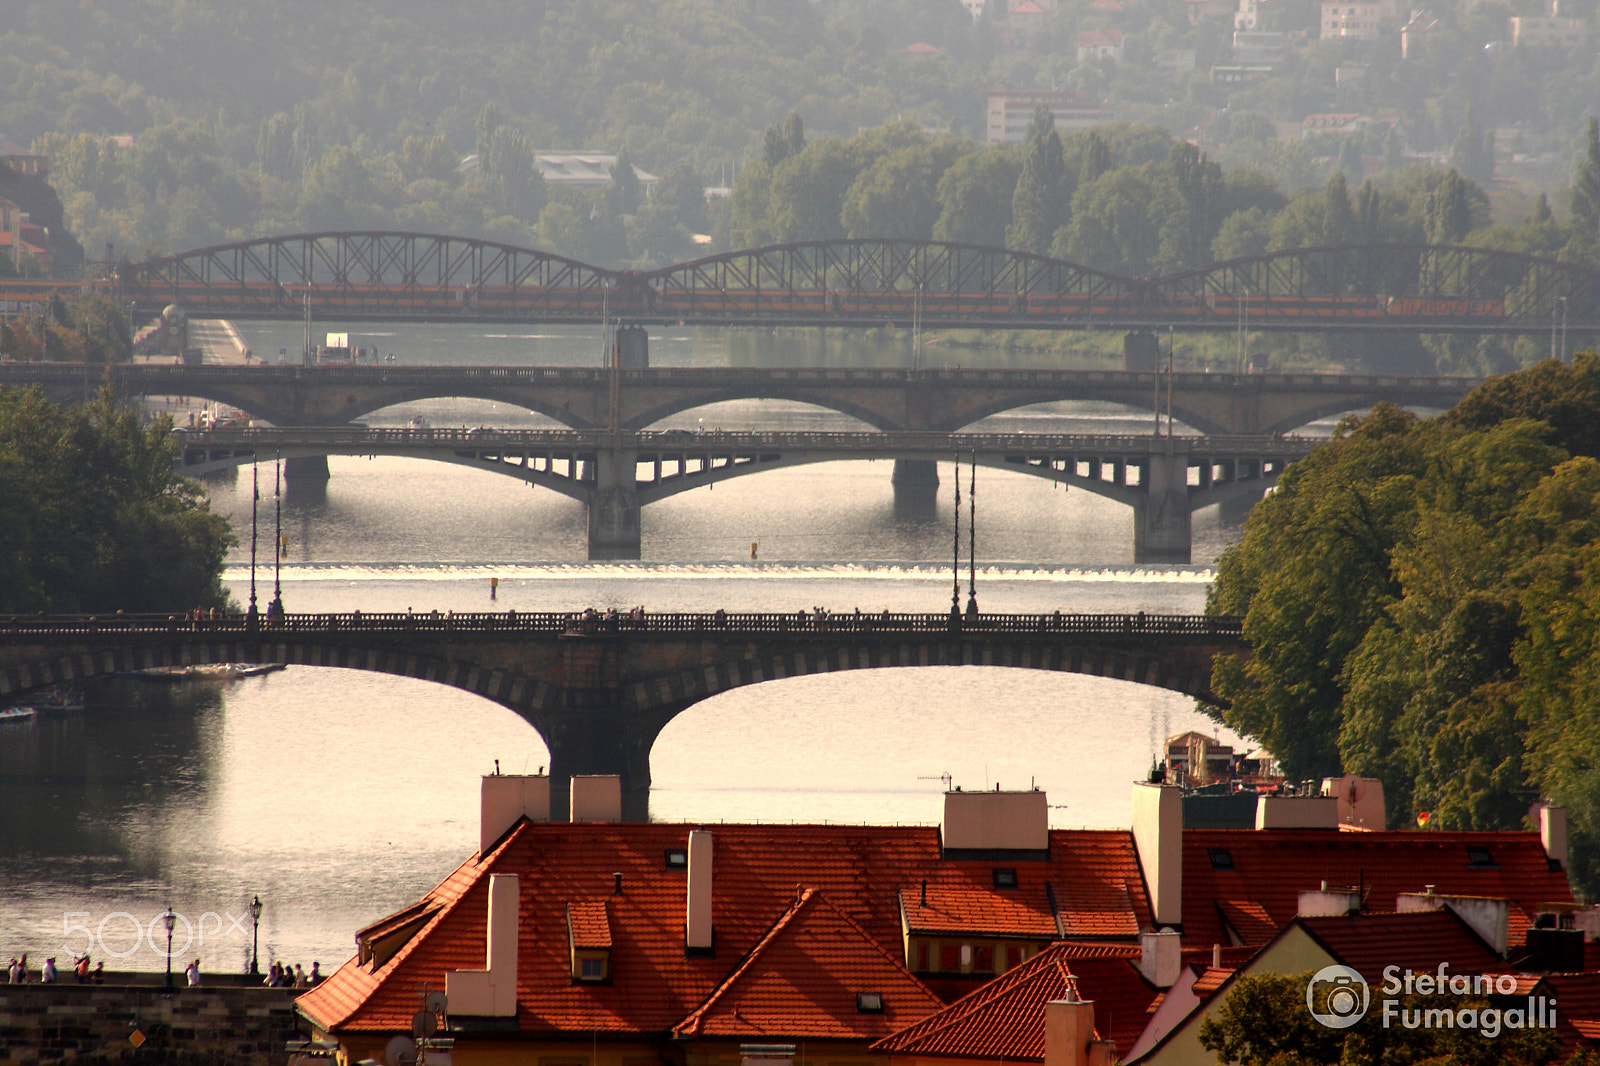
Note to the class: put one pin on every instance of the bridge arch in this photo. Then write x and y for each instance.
(600, 692)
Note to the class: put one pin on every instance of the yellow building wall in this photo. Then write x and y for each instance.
(1294, 952)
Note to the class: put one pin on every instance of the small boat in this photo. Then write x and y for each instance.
(59, 698)
(207, 672)
(17, 714)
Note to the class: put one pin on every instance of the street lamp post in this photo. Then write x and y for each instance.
(255, 936)
(170, 920)
(1562, 300)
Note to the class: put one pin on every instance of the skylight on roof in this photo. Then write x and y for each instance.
(1221, 858)
(869, 1002)
(1005, 877)
(675, 859)
(1478, 857)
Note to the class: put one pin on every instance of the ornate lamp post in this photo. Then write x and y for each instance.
(170, 920)
(255, 936)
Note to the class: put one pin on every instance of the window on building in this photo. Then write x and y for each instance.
(869, 1002)
(1005, 877)
(591, 969)
(950, 958)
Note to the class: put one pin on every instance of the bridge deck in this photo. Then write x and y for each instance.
(30, 629)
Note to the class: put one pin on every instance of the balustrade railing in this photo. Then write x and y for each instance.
(18, 629)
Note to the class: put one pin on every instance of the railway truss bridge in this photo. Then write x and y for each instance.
(615, 475)
(599, 690)
(393, 276)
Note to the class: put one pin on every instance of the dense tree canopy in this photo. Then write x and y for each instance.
(1264, 1022)
(1423, 599)
(92, 517)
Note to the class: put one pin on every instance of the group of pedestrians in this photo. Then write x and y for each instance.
(282, 975)
(17, 971)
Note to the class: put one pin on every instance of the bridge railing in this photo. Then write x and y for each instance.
(73, 628)
(724, 440)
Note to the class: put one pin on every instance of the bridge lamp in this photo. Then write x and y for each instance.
(255, 936)
(170, 920)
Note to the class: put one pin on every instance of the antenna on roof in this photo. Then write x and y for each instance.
(497, 768)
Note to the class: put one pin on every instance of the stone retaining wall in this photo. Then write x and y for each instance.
(63, 1023)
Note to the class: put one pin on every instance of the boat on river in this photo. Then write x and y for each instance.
(17, 714)
(206, 672)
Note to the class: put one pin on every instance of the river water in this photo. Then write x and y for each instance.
(339, 797)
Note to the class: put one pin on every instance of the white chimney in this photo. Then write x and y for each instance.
(1488, 916)
(697, 918)
(1328, 902)
(491, 992)
(596, 798)
(1553, 832)
(504, 800)
(996, 821)
(1160, 956)
(1297, 812)
(1360, 800)
(1158, 838)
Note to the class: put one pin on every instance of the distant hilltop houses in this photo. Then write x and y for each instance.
(32, 235)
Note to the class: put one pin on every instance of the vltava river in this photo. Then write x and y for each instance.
(339, 797)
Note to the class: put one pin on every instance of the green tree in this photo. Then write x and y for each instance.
(625, 194)
(1449, 210)
(975, 196)
(782, 142)
(1586, 184)
(808, 190)
(1311, 576)
(92, 517)
(1039, 206)
(1472, 153)
(898, 195)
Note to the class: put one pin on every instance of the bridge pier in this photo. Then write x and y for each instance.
(916, 485)
(1162, 521)
(594, 729)
(306, 468)
(614, 506)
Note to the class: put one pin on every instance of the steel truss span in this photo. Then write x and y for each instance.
(898, 283)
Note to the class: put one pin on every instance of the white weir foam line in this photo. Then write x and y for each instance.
(715, 571)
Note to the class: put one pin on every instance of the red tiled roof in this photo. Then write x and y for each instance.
(970, 907)
(1004, 1019)
(802, 980)
(1249, 919)
(1094, 875)
(588, 925)
(1577, 997)
(1272, 868)
(1209, 981)
(1417, 941)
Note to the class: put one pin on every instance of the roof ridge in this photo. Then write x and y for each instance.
(691, 1022)
(483, 864)
(974, 1001)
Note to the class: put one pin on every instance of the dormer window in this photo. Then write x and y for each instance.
(589, 941)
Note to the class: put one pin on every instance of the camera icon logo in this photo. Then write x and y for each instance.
(1337, 996)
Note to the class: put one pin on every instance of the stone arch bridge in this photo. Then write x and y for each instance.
(599, 690)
